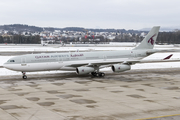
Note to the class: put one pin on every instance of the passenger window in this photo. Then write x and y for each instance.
(12, 61)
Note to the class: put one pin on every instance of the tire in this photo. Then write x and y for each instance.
(93, 73)
(24, 77)
(97, 74)
(102, 74)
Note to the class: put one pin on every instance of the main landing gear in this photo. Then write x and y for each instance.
(24, 75)
(98, 74)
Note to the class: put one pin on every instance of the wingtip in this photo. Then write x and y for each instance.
(168, 57)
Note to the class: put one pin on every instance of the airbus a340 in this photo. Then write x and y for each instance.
(88, 62)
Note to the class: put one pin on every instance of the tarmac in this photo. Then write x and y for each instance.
(151, 94)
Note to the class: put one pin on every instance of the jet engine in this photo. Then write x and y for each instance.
(84, 70)
(120, 67)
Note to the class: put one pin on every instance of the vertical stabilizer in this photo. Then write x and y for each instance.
(150, 39)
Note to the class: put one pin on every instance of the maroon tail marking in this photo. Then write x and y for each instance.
(151, 40)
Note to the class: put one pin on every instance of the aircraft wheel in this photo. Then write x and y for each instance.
(102, 74)
(97, 74)
(93, 73)
(24, 77)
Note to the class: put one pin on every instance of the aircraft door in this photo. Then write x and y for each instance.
(23, 61)
(133, 53)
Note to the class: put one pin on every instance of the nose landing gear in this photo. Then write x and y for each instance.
(24, 75)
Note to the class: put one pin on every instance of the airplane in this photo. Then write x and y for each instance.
(88, 62)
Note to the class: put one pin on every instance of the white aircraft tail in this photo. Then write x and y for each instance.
(150, 39)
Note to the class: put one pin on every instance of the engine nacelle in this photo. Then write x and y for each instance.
(84, 70)
(120, 67)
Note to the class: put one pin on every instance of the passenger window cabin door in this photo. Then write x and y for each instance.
(133, 54)
(23, 61)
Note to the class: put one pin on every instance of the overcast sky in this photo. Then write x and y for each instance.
(118, 14)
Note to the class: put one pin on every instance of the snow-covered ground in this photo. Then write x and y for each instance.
(5, 72)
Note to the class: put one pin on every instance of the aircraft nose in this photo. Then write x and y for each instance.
(4, 65)
(9, 66)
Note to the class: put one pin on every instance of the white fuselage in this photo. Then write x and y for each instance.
(60, 61)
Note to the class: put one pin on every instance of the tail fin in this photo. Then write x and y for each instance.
(150, 39)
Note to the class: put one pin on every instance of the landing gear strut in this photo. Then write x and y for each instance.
(24, 75)
(98, 74)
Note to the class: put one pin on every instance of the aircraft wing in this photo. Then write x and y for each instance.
(98, 63)
(76, 65)
(107, 63)
(166, 59)
(162, 51)
(156, 61)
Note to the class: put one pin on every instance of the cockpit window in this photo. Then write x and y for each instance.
(12, 61)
